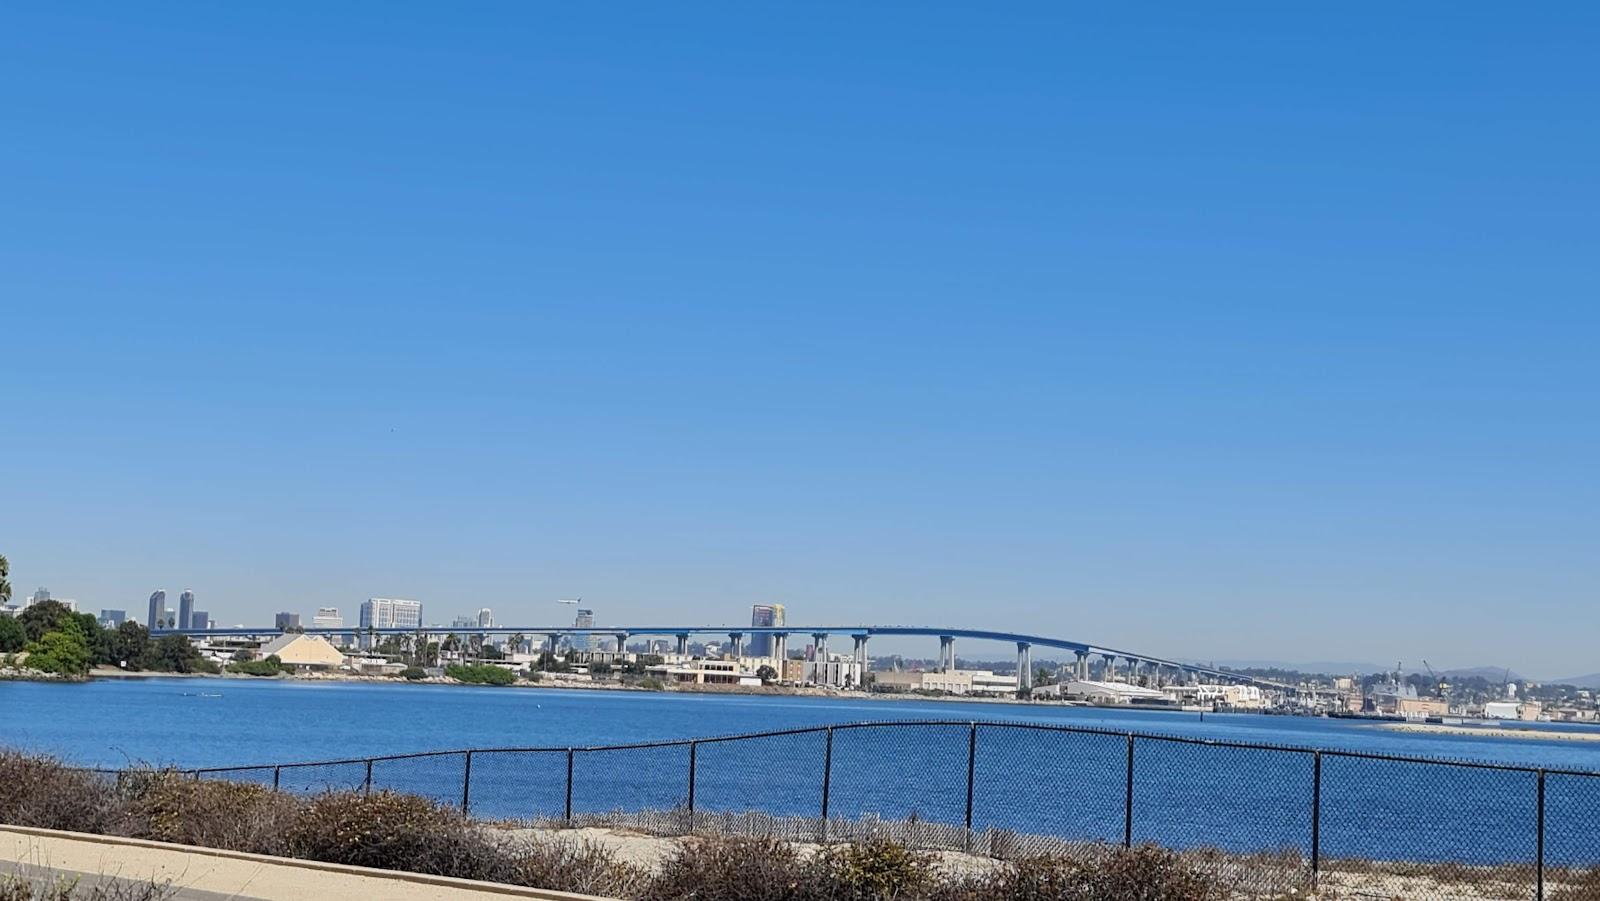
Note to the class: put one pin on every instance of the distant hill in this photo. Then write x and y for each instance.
(1590, 681)
(1492, 673)
(1312, 667)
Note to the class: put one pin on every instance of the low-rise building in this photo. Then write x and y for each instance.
(303, 652)
(959, 682)
(700, 671)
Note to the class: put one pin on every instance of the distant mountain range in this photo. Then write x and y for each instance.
(1492, 673)
(1590, 681)
(1326, 667)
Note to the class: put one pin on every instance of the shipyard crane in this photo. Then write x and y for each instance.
(1440, 684)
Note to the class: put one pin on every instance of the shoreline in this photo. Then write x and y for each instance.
(110, 673)
(1530, 732)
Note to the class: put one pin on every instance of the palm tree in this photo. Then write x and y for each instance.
(516, 643)
(5, 586)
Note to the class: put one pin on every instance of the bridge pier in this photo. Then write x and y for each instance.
(1083, 666)
(947, 653)
(622, 642)
(736, 644)
(683, 644)
(780, 649)
(819, 641)
(860, 655)
(1024, 668)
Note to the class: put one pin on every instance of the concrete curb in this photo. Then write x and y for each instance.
(204, 869)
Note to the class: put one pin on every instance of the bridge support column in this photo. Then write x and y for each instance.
(622, 642)
(819, 641)
(683, 644)
(860, 656)
(736, 644)
(780, 649)
(1083, 666)
(947, 653)
(1111, 667)
(1024, 668)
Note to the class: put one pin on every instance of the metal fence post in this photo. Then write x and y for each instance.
(972, 772)
(1127, 807)
(1316, 816)
(1539, 836)
(466, 784)
(366, 786)
(277, 775)
(568, 808)
(693, 748)
(827, 777)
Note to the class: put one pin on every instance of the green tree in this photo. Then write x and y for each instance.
(12, 636)
(129, 645)
(766, 674)
(5, 579)
(175, 654)
(45, 616)
(63, 651)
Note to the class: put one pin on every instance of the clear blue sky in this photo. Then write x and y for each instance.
(1253, 330)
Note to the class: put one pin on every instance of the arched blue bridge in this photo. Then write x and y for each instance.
(819, 635)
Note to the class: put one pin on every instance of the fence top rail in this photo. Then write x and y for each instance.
(892, 724)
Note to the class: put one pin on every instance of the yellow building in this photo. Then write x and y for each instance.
(302, 652)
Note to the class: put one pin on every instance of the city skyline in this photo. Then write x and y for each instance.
(1246, 336)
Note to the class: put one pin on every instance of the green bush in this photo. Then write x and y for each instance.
(271, 666)
(876, 868)
(63, 651)
(414, 673)
(480, 674)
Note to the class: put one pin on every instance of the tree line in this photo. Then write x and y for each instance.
(60, 641)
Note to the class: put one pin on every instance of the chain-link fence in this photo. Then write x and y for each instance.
(1270, 819)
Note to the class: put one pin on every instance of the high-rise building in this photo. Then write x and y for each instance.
(763, 616)
(158, 611)
(582, 640)
(199, 619)
(286, 622)
(185, 609)
(389, 613)
(41, 595)
(330, 618)
(113, 618)
(485, 618)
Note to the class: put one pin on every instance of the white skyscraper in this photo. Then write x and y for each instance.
(389, 613)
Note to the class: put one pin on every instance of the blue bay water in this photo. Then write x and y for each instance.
(1028, 780)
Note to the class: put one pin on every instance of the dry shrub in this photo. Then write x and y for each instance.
(582, 867)
(235, 816)
(19, 888)
(1578, 886)
(44, 793)
(390, 831)
(731, 869)
(1146, 873)
(877, 868)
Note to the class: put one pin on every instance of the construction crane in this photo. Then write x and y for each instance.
(1440, 684)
